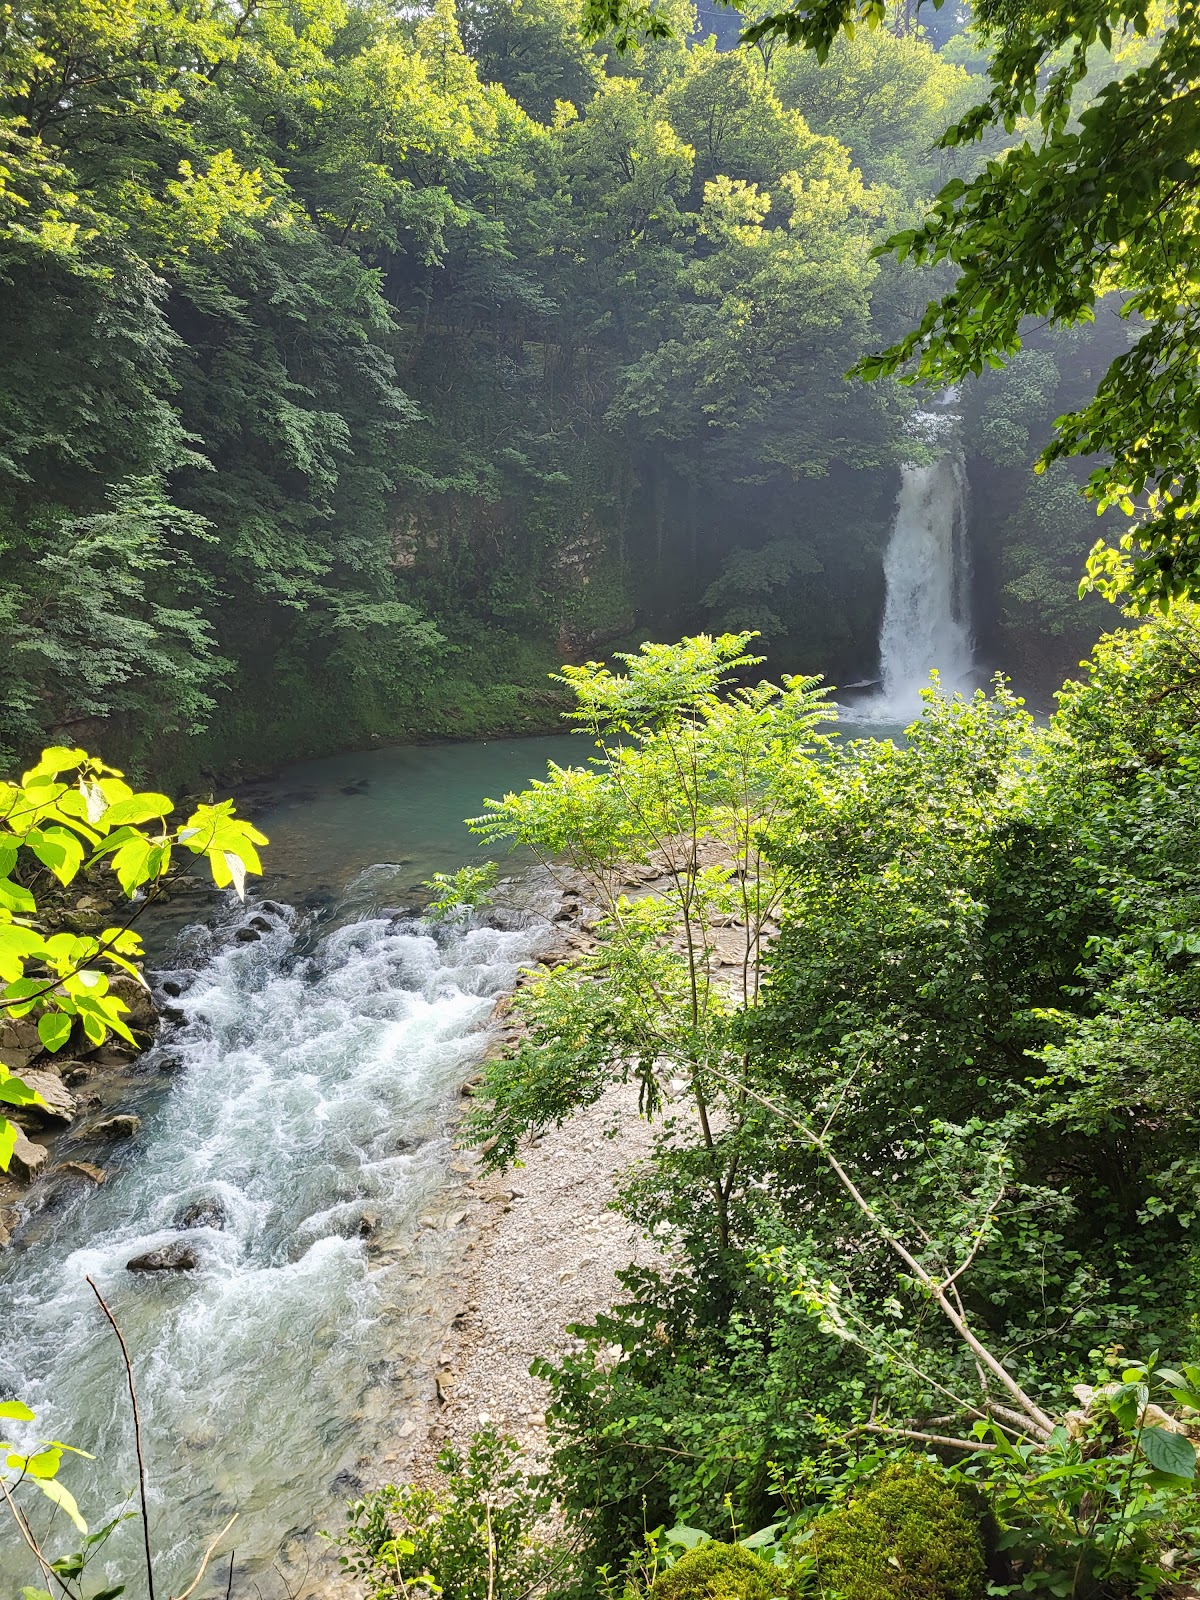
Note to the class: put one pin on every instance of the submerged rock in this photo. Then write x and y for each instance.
(247, 935)
(167, 1258)
(85, 1169)
(123, 1126)
(207, 1212)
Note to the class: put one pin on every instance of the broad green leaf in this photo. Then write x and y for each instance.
(13, 897)
(1169, 1452)
(138, 808)
(15, 1411)
(8, 1143)
(15, 1092)
(58, 849)
(17, 945)
(54, 759)
(44, 1463)
(689, 1538)
(54, 1029)
(53, 1490)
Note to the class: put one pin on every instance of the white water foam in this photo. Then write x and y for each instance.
(308, 1087)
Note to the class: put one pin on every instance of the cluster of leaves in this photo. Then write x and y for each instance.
(473, 1537)
(70, 812)
(453, 893)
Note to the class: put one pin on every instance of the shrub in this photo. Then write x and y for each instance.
(719, 1572)
(910, 1537)
(475, 1538)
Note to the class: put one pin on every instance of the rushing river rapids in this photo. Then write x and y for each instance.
(296, 1123)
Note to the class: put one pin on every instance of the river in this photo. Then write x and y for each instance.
(310, 1080)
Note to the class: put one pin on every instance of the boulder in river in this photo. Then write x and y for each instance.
(122, 1126)
(59, 1103)
(207, 1212)
(85, 1169)
(27, 1158)
(167, 1258)
(247, 935)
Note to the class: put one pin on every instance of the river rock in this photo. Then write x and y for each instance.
(142, 1014)
(74, 1073)
(167, 1258)
(247, 935)
(19, 1044)
(85, 1169)
(207, 1212)
(59, 1104)
(503, 918)
(123, 1126)
(28, 1158)
(9, 1217)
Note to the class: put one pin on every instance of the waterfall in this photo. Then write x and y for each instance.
(926, 619)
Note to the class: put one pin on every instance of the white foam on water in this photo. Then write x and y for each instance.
(311, 1087)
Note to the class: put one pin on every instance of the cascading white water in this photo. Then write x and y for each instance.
(311, 1082)
(927, 569)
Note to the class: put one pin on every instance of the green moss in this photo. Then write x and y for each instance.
(720, 1572)
(910, 1537)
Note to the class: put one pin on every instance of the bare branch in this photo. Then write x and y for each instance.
(208, 1557)
(942, 1439)
(137, 1434)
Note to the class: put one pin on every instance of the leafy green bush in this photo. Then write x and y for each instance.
(1109, 1504)
(910, 1537)
(719, 1572)
(473, 1539)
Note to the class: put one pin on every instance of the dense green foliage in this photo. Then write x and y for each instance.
(71, 812)
(927, 1153)
(1092, 207)
(473, 1537)
(397, 356)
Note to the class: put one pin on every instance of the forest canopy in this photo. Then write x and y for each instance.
(1090, 211)
(358, 366)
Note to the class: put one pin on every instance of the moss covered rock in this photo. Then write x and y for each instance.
(910, 1537)
(720, 1572)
